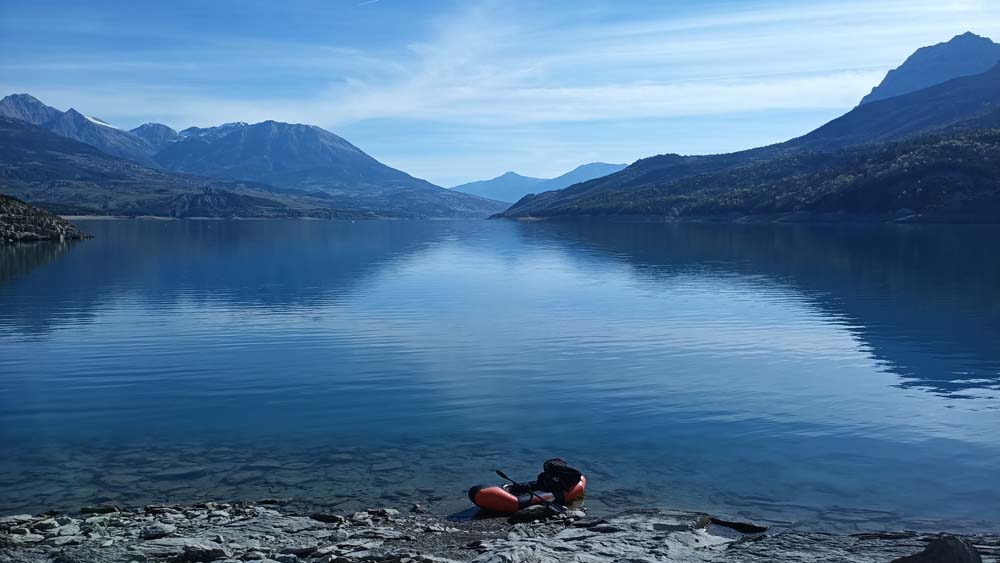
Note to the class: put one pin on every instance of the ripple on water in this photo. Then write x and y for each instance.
(796, 374)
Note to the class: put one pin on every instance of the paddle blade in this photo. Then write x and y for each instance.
(503, 475)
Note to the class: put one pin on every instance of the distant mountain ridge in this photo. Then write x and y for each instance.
(309, 159)
(507, 187)
(156, 134)
(934, 178)
(962, 104)
(306, 161)
(70, 177)
(963, 55)
(510, 186)
(75, 125)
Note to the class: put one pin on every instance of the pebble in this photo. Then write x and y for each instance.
(70, 529)
(64, 540)
(47, 524)
(328, 518)
(157, 530)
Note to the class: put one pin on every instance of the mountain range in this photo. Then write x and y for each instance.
(699, 185)
(304, 163)
(918, 147)
(74, 178)
(511, 186)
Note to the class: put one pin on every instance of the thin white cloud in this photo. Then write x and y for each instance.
(493, 67)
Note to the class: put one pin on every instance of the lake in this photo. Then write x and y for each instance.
(805, 376)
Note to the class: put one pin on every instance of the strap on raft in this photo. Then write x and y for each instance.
(497, 498)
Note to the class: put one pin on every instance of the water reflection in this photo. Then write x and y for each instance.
(924, 299)
(788, 373)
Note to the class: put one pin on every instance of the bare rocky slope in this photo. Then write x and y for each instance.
(269, 532)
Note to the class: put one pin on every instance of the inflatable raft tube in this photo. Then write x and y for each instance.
(498, 498)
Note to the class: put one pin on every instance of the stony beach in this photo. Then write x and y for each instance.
(275, 531)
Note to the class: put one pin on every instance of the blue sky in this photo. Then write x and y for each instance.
(455, 91)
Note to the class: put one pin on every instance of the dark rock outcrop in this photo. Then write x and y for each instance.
(945, 549)
(21, 222)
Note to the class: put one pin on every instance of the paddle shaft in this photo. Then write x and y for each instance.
(547, 503)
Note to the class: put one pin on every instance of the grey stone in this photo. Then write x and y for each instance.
(71, 529)
(64, 540)
(28, 538)
(47, 524)
(193, 549)
(531, 514)
(297, 551)
(328, 518)
(16, 519)
(157, 530)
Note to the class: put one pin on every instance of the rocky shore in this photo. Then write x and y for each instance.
(272, 531)
(22, 222)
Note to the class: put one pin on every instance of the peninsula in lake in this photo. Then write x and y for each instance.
(21, 222)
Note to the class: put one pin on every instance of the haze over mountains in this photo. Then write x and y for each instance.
(511, 186)
(302, 162)
(677, 186)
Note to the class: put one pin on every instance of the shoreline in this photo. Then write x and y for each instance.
(274, 531)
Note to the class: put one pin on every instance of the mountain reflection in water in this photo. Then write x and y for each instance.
(795, 374)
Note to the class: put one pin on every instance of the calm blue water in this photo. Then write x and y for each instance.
(806, 376)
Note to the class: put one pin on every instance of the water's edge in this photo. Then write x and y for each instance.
(271, 530)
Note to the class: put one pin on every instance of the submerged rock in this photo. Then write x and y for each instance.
(945, 549)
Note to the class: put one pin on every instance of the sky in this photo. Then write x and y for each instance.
(455, 91)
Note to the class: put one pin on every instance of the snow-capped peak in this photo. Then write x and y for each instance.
(99, 122)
